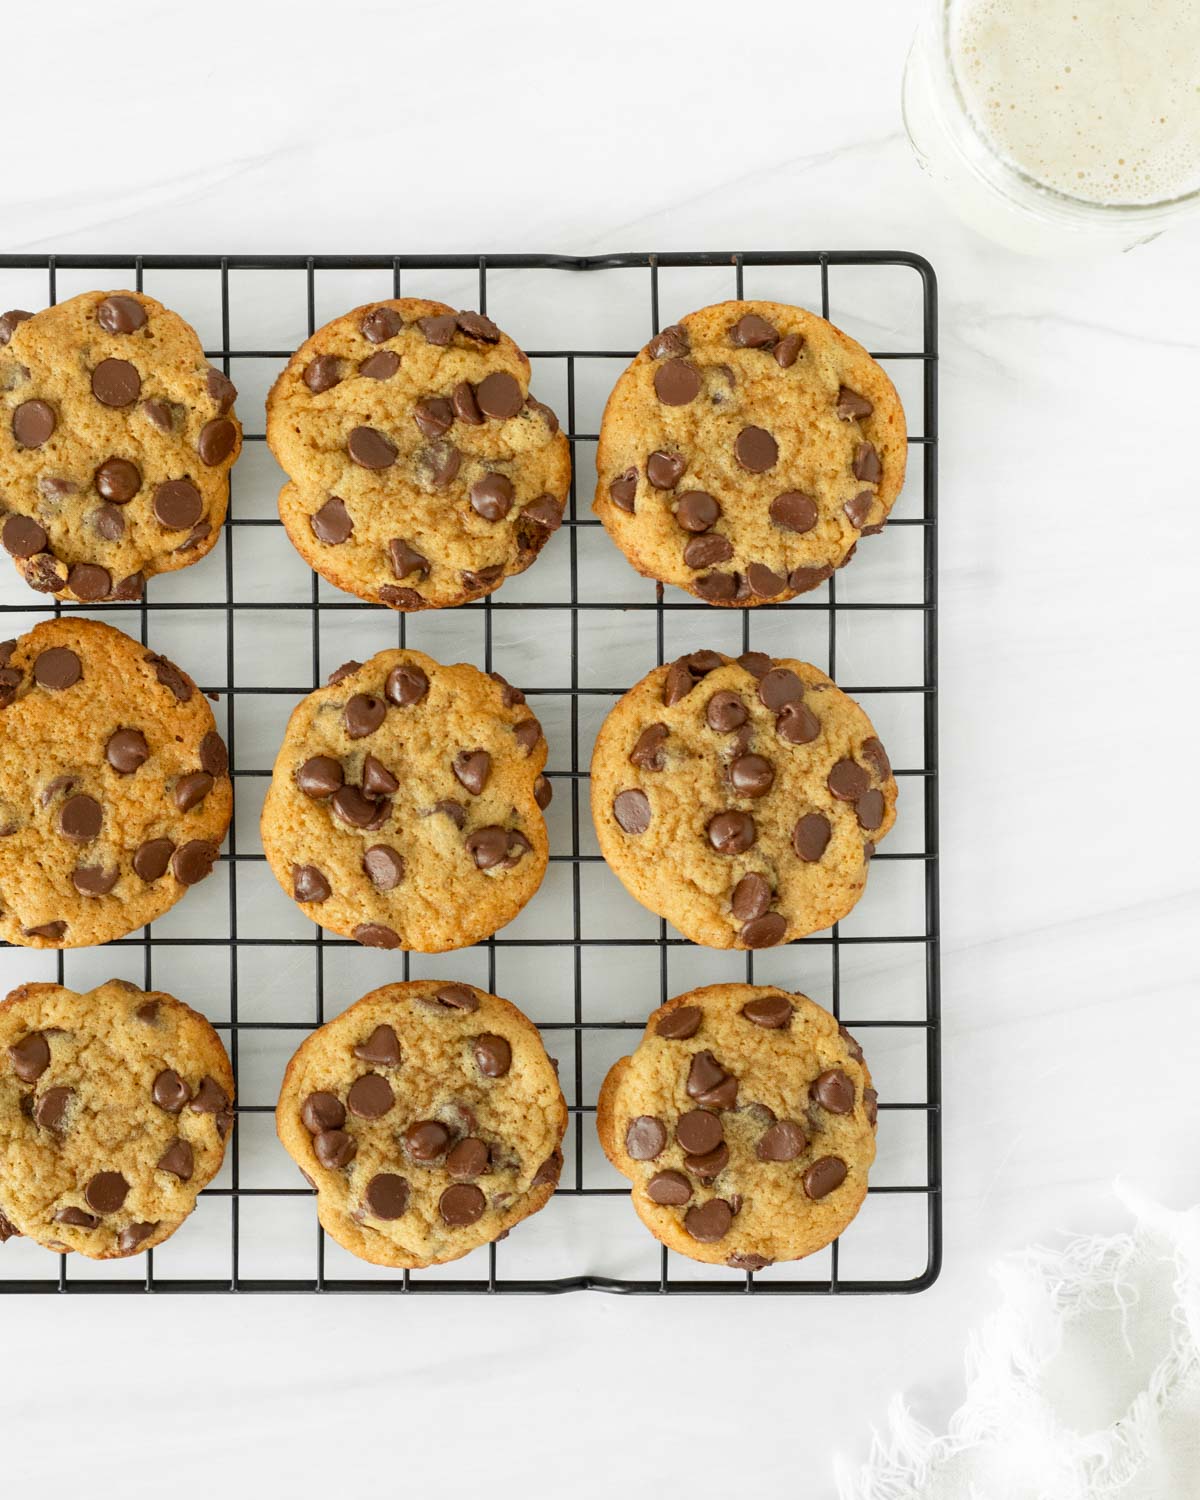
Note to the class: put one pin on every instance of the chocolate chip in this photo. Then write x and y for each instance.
(731, 832)
(669, 343)
(751, 897)
(499, 396)
(470, 1158)
(363, 715)
(699, 1131)
(544, 511)
(866, 464)
(405, 599)
(794, 511)
(33, 422)
(332, 524)
(30, 1057)
(118, 480)
(115, 382)
(679, 1024)
(753, 332)
(783, 1141)
(377, 780)
(129, 588)
(710, 1165)
(380, 324)
(648, 752)
(320, 776)
(334, 1148)
(93, 880)
(105, 1192)
(383, 866)
(193, 861)
(150, 859)
(322, 373)
(833, 1091)
(671, 1189)
(804, 579)
(9, 321)
(488, 847)
(645, 1137)
(159, 414)
(623, 489)
(45, 573)
(851, 406)
(752, 775)
(466, 407)
(79, 818)
(871, 750)
(178, 1159)
(52, 789)
(22, 536)
(406, 685)
(709, 1222)
(177, 504)
(381, 366)
(676, 383)
(426, 1140)
(170, 1092)
(528, 734)
(756, 450)
(477, 325)
(216, 441)
(118, 314)
(719, 587)
(76, 1218)
(709, 1084)
(787, 350)
(824, 1175)
(847, 780)
(871, 1106)
(631, 809)
(53, 932)
(370, 448)
(322, 1111)
(483, 578)
(192, 789)
(352, 807)
(57, 669)
(375, 935)
(221, 389)
(455, 811)
(778, 687)
(859, 508)
(797, 724)
(870, 809)
(492, 497)
(665, 470)
(704, 551)
(370, 1097)
(471, 769)
(746, 1260)
(764, 581)
(89, 581)
(765, 931)
(771, 1012)
(310, 884)
(433, 415)
(493, 1055)
(386, 1196)
(543, 792)
(461, 1205)
(439, 329)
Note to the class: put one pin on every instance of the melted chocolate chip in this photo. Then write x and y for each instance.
(771, 1012)
(383, 866)
(375, 935)
(370, 449)
(647, 753)
(117, 314)
(765, 931)
(623, 489)
(752, 775)
(193, 862)
(461, 1205)
(177, 504)
(332, 524)
(708, 1082)
(680, 1023)
(756, 450)
(478, 326)
(370, 1097)
(731, 832)
(150, 859)
(631, 809)
(824, 1175)
(645, 1137)
(33, 422)
(671, 1189)
(709, 1222)
(363, 715)
(406, 685)
(94, 880)
(116, 383)
(493, 1055)
(753, 332)
(751, 897)
(665, 470)
(783, 1141)
(676, 382)
(438, 330)
(847, 780)
(310, 884)
(386, 1196)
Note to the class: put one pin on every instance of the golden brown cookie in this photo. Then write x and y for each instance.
(745, 451)
(741, 800)
(116, 441)
(745, 1120)
(428, 1118)
(405, 807)
(422, 472)
(114, 1111)
(114, 785)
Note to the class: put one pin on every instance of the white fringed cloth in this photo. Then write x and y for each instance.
(1084, 1385)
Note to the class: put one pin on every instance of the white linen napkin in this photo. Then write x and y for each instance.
(1084, 1385)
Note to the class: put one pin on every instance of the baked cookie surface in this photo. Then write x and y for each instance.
(741, 799)
(114, 785)
(405, 807)
(116, 441)
(745, 1121)
(422, 472)
(115, 1107)
(746, 450)
(428, 1118)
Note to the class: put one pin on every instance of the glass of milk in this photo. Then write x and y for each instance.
(1059, 126)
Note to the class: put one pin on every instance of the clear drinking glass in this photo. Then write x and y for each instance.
(988, 186)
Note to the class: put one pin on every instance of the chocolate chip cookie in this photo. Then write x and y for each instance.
(746, 450)
(428, 1118)
(114, 785)
(741, 800)
(422, 472)
(405, 808)
(116, 441)
(746, 1121)
(114, 1111)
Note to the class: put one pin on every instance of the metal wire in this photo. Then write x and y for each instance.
(668, 1282)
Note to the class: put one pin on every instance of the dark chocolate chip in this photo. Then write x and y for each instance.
(363, 715)
(461, 1205)
(756, 450)
(771, 1012)
(322, 373)
(33, 422)
(825, 1174)
(499, 396)
(665, 470)
(752, 332)
(471, 769)
(493, 1055)
(22, 536)
(731, 832)
(708, 1082)
(871, 1106)
(118, 480)
(380, 324)
(466, 407)
(545, 511)
(804, 579)
(89, 582)
(406, 685)
(851, 406)
(426, 1140)
(117, 314)
(811, 836)
(178, 1159)
(320, 776)
(332, 524)
(528, 734)
(783, 1141)
(765, 931)
(679, 1024)
(778, 687)
(543, 793)
(322, 1111)
(751, 897)
(623, 489)
(106, 1192)
(375, 935)
(709, 1222)
(752, 775)
(77, 1218)
(492, 496)
(150, 859)
(477, 325)
(115, 382)
(871, 750)
(720, 587)
(310, 884)
(455, 811)
(676, 382)
(177, 504)
(216, 441)
(53, 932)
(193, 861)
(170, 1092)
(787, 349)
(159, 414)
(725, 712)
(833, 1091)
(57, 669)
(648, 751)
(386, 1196)
(220, 388)
(191, 790)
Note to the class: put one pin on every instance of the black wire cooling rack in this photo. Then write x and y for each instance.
(567, 770)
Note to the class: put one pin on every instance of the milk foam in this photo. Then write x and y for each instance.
(1097, 98)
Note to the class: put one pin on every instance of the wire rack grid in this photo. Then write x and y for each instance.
(592, 966)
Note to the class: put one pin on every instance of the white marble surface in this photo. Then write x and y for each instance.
(1069, 638)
